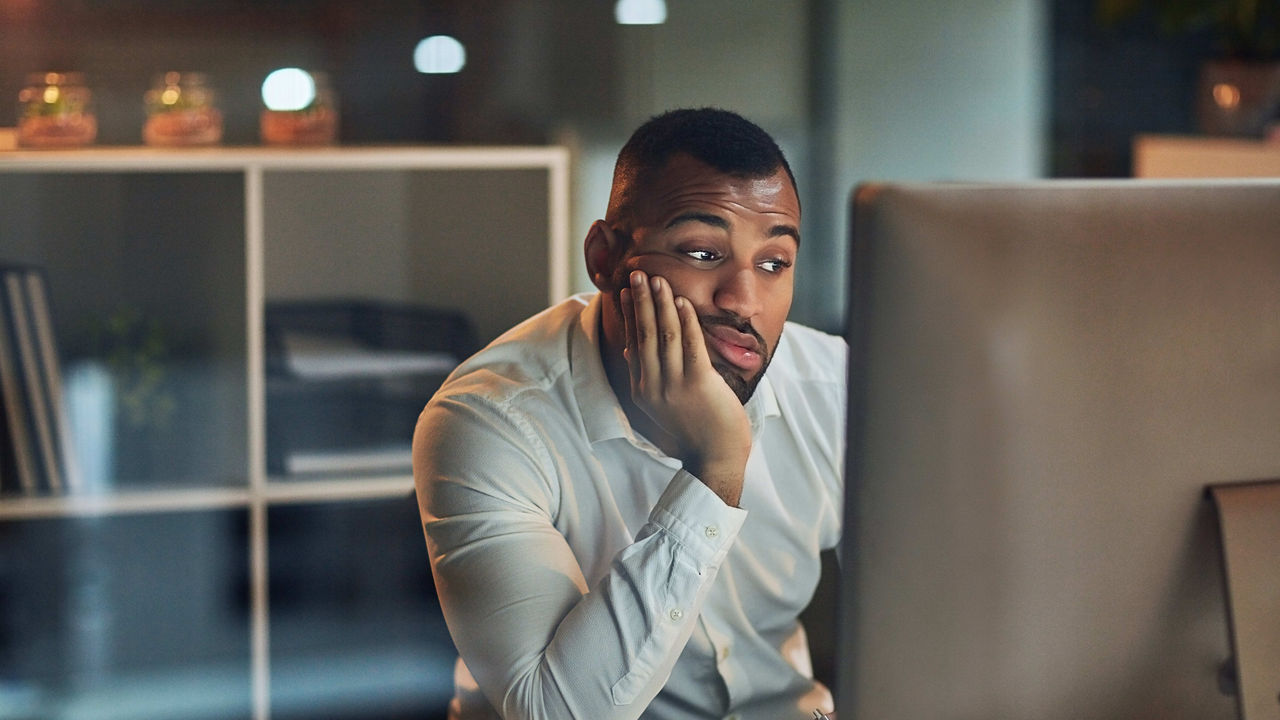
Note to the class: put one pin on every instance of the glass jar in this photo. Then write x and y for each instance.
(55, 110)
(302, 109)
(181, 111)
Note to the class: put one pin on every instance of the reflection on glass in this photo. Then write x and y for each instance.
(356, 630)
(140, 616)
(301, 108)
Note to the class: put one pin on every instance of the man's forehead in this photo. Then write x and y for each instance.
(685, 182)
(683, 167)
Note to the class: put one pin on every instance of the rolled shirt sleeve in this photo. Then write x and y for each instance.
(539, 641)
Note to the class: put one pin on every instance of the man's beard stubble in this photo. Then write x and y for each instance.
(741, 386)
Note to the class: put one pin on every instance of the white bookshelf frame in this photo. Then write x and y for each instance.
(261, 491)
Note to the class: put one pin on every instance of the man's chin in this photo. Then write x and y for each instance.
(741, 386)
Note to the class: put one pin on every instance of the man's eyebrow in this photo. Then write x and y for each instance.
(784, 230)
(781, 230)
(712, 220)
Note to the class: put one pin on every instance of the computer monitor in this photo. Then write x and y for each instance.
(1044, 379)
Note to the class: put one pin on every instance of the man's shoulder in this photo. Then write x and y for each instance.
(525, 361)
(808, 355)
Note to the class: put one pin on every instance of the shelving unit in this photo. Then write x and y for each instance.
(190, 246)
(1173, 156)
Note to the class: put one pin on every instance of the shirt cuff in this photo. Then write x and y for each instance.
(697, 518)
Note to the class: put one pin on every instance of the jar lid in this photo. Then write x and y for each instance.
(184, 77)
(55, 78)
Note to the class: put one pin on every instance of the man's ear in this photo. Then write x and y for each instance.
(603, 250)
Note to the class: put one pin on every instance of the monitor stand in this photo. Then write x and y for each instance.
(1249, 522)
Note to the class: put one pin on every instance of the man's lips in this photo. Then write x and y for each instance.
(742, 350)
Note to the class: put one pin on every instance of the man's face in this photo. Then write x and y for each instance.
(728, 245)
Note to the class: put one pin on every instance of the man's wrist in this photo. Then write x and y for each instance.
(723, 475)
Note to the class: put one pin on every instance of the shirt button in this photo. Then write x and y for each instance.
(712, 531)
(676, 614)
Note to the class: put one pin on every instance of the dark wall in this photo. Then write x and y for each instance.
(531, 65)
(1112, 82)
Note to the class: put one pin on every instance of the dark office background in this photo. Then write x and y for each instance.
(535, 67)
(1107, 82)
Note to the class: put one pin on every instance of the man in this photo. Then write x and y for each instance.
(623, 510)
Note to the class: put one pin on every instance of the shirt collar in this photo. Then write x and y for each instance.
(598, 406)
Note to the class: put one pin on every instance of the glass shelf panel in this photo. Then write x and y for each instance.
(472, 239)
(405, 273)
(137, 616)
(146, 273)
(356, 630)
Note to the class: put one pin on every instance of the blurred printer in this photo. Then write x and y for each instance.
(346, 380)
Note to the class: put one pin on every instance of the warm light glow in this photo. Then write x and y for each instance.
(170, 95)
(1226, 95)
(640, 12)
(288, 89)
(439, 54)
(51, 95)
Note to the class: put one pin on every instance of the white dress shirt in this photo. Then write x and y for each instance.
(584, 574)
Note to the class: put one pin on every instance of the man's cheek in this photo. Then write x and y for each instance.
(679, 277)
(652, 265)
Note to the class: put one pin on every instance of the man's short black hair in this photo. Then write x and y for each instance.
(719, 138)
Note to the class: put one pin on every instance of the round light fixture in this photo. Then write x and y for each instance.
(439, 54)
(288, 89)
(640, 12)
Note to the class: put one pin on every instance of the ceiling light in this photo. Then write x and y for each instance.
(439, 54)
(640, 12)
(288, 89)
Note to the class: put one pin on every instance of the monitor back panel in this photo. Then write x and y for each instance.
(1044, 378)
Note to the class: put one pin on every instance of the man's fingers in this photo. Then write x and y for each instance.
(645, 332)
(631, 354)
(692, 344)
(669, 333)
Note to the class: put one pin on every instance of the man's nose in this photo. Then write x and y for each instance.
(738, 292)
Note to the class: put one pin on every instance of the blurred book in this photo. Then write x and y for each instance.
(36, 440)
(19, 457)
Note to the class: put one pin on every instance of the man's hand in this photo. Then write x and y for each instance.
(673, 382)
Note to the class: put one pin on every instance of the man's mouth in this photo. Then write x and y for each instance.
(742, 350)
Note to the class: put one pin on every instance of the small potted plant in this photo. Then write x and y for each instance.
(181, 111)
(56, 111)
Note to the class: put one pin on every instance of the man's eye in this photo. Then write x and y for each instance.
(703, 255)
(775, 266)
